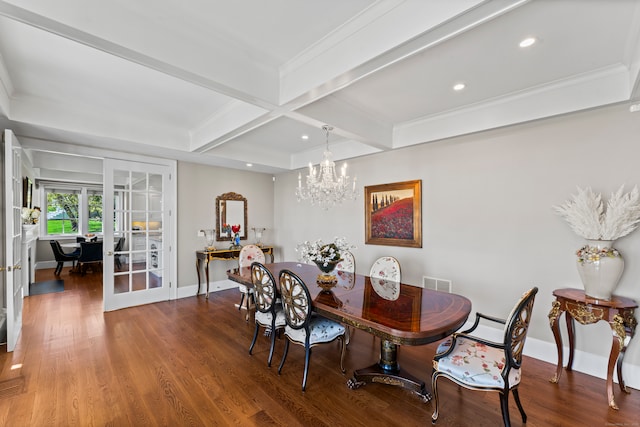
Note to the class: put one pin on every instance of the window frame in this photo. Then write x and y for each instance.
(83, 191)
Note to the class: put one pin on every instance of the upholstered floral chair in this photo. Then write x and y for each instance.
(479, 364)
(248, 255)
(269, 313)
(302, 328)
(386, 267)
(348, 262)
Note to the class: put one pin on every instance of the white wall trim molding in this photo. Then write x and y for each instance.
(219, 285)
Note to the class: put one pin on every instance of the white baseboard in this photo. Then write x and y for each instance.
(220, 285)
(47, 264)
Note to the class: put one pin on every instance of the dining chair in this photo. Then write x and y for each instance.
(386, 267)
(61, 257)
(348, 262)
(269, 313)
(116, 250)
(479, 364)
(302, 327)
(90, 256)
(248, 255)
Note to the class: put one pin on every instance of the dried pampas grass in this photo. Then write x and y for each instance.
(585, 212)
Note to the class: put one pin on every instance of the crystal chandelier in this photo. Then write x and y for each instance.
(324, 187)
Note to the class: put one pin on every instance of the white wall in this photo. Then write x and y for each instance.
(488, 224)
(198, 187)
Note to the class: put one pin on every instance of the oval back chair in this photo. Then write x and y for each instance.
(348, 262)
(386, 267)
(248, 255)
(488, 365)
(269, 312)
(302, 328)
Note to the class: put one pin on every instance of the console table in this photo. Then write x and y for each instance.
(223, 255)
(618, 312)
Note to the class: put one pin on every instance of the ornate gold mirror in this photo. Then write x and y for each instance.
(231, 208)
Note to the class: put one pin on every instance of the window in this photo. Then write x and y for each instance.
(72, 210)
(95, 213)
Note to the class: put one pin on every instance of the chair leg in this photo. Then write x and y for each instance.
(284, 355)
(434, 391)
(504, 405)
(255, 336)
(273, 345)
(516, 396)
(307, 356)
(241, 300)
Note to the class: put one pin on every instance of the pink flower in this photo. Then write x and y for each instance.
(457, 360)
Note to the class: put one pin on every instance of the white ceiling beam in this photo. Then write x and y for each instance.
(576, 93)
(231, 118)
(218, 71)
(632, 53)
(377, 41)
(348, 121)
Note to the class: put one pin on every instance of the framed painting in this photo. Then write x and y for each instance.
(393, 214)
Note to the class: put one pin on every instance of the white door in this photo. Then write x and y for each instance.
(134, 208)
(11, 280)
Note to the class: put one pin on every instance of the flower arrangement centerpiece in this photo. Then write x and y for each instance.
(600, 265)
(325, 255)
(235, 229)
(30, 215)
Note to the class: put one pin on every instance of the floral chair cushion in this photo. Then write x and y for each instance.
(321, 330)
(386, 268)
(476, 364)
(264, 319)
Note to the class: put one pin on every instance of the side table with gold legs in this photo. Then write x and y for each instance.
(618, 312)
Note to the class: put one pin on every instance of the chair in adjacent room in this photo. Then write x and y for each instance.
(248, 255)
(269, 313)
(479, 364)
(387, 268)
(62, 257)
(90, 256)
(302, 328)
(116, 251)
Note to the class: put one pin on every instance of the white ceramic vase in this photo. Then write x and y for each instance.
(600, 267)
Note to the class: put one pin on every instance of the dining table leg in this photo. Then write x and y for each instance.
(387, 371)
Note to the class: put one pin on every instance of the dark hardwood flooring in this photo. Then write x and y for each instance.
(186, 362)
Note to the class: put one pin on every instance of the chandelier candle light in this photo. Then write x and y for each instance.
(324, 187)
(599, 264)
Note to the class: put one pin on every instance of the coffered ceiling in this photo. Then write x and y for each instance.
(235, 82)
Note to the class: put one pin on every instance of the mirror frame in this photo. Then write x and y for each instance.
(235, 197)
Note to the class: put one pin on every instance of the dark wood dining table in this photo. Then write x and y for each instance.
(398, 313)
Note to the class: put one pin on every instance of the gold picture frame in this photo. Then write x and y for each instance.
(393, 214)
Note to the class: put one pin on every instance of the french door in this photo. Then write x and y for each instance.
(11, 251)
(137, 233)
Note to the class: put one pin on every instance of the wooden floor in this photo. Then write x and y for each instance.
(186, 362)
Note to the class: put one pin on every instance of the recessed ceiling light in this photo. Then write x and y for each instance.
(459, 86)
(249, 165)
(527, 42)
(305, 137)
